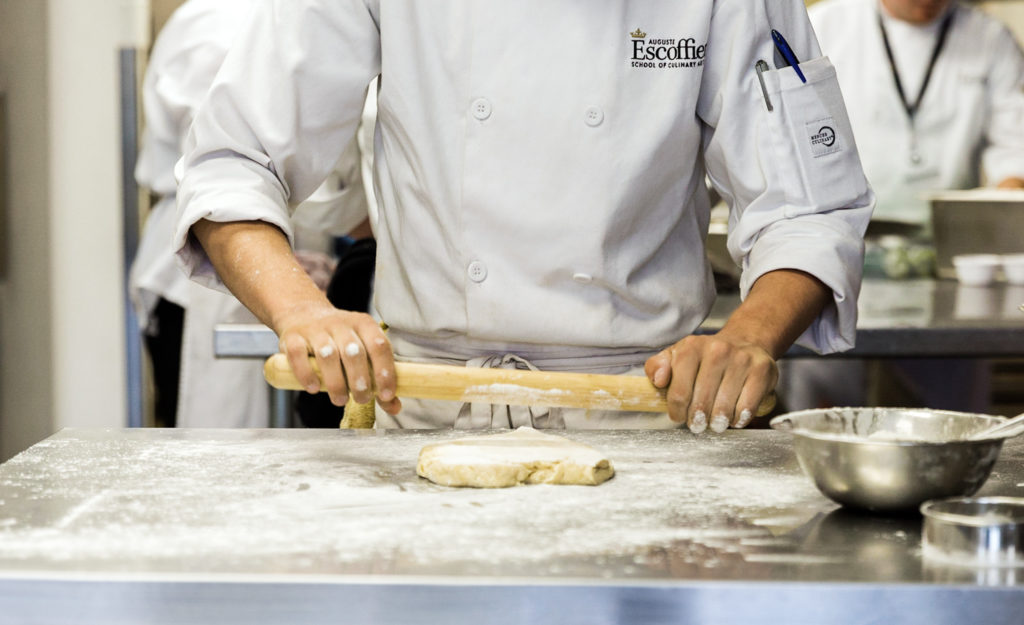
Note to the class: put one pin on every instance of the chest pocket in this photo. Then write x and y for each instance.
(970, 93)
(815, 155)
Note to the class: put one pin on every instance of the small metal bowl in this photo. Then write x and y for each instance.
(891, 459)
(975, 532)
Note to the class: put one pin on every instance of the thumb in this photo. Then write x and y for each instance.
(659, 368)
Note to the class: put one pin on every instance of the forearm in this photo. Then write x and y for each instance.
(777, 310)
(255, 261)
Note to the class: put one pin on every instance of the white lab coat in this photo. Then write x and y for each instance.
(186, 57)
(971, 120)
(539, 185)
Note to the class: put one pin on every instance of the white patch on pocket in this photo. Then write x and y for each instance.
(822, 136)
(969, 79)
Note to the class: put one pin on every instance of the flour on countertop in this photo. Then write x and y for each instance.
(301, 501)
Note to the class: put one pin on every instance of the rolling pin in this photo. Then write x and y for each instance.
(516, 387)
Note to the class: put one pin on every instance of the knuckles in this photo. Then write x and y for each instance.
(718, 352)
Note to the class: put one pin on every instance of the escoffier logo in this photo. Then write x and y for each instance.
(664, 53)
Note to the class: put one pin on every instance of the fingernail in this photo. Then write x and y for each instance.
(699, 422)
(387, 395)
(745, 418)
(313, 388)
(719, 423)
(361, 384)
(352, 349)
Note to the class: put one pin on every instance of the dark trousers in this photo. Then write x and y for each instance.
(164, 347)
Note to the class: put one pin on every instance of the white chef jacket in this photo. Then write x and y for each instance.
(970, 120)
(184, 60)
(540, 164)
(186, 56)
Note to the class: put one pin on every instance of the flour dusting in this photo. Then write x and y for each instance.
(344, 502)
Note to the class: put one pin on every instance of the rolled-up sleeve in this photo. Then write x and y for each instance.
(797, 193)
(285, 103)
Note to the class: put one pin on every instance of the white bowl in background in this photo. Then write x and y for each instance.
(1013, 268)
(976, 269)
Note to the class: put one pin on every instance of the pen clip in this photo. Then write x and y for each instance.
(761, 67)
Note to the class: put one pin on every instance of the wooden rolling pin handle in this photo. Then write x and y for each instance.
(511, 386)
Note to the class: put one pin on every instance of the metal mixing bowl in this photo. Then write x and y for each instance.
(891, 459)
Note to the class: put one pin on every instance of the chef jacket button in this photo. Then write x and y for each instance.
(481, 108)
(583, 278)
(593, 116)
(477, 271)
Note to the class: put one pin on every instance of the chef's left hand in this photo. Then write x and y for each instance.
(718, 380)
(714, 381)
(1011, 183)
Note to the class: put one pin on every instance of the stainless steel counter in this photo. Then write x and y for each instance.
(325, 526)
(897, 318)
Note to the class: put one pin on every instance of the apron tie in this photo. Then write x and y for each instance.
(478, 416)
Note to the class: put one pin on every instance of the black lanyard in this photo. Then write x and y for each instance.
(911, 107)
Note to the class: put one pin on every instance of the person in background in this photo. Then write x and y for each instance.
(541, 208)
(935, 93)
(177, 316)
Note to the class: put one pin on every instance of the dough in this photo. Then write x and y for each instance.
(524, 456)
(359, 416)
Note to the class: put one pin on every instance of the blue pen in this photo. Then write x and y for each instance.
(787, 53)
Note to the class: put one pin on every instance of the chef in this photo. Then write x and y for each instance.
(540, 172)
(177, 316)
(935, 91)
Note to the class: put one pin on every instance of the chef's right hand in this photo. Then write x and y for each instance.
(351, 351)
(256, 262)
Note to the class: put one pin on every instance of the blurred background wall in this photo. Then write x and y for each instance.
(61, 307)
